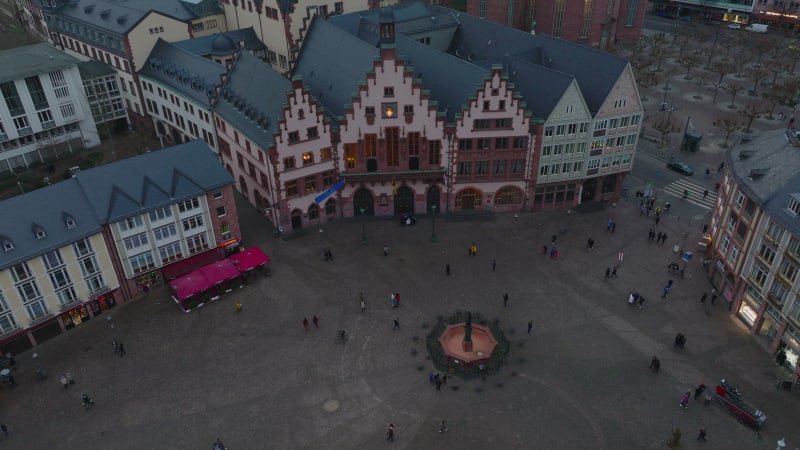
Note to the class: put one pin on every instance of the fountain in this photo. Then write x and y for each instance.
(464, 345)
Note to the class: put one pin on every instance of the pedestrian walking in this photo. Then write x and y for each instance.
(663, 238)
(385, 249)
(591, 244)
(614, 271)
(305, 323)
(713, 296)
(609, 225)
(641, 301)
(438, 383)
(544, 249)
(699, 390)
(703, 297)
(701, 436)
(552, 253)
(238, 306)
(658, 218)
(705, 194)
(4, 429)
(505, 299)
(655, 364)
(494, 265)
(530, 326)
(608, 273)
(666, 291)
(396, 324)
(315, 321)
(613, 227)
(122, 351)
(473, 250)
(115, 346)
(685, 400)
(390, 433)
(443, 426)
(658, 237)
(444, 379)
(363, 304)
(447, 269)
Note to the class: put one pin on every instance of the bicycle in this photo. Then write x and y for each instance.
(341, 337)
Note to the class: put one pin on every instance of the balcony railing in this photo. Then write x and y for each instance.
(41, 318)
(25, 131)
(49, 124)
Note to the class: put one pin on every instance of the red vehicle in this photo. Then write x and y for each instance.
(729, 397)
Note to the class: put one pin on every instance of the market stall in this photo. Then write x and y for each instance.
(251, 260)
(222, 277)
(190, 291)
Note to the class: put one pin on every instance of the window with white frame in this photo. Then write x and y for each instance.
(142, 262)
(723, 246)
(793, 205)
(732, 222)
(794, 312)
(197, 243)
(7, 321)
(52, 259)
(793, 248)
(766, 253)
(160, 214)
(188, 205)
(734, 255)
(739, 199)
(131, 223)
(136, 241)
(21, 272)
(165, 232)
(82, 247)
(778, 291)
(758, 275)
(192, 222)
(774, 232)
(170, 252)
(66, 296)
(788, 270)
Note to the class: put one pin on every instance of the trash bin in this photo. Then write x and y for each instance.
(707, 400)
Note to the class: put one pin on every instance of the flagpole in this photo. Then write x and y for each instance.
(686, 128)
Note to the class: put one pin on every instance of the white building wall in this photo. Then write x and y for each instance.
(202, 116)
(144, 35)
(566, 139)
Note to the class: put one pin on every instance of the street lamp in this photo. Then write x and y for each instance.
(363, 228)
(433, 223)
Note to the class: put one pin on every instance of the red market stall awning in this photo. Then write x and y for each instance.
(219, 272)
(189, 285)
(187, 265)
(249, 258)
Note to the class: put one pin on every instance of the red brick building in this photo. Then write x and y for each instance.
(597, 23)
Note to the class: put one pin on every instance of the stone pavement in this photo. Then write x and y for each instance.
(258, 380)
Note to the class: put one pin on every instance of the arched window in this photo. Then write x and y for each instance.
(330, 208)
(468, 198)
(313, 212)
(243, 187)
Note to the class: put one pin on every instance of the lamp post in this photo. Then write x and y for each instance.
(433, 223)
(363, 228)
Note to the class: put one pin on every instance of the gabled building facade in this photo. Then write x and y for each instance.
(755, 240)
(122, 35)
(101, 85)
(44, 110)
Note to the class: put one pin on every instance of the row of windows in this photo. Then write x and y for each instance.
(144, 262)
(325, 154)
(498, 167)
(561, 168)
(563, 149)
(309, 184)
(501, 143)
(566, 129)
(610, 161)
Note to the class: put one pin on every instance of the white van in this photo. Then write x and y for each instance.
(757, 28)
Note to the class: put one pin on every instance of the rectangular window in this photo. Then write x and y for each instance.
(465, 167)
(392, 147)
(465, 144)
(350, 159)
(294, 136)
(165, 232)
(308, 158)
(388, 91)
(483, 143)
(82, 247)
(325, 154)
(517, 165)
(310, 184)
(289, 163)
(291, 188)
(548, 131)
(561, 130)
(630, 17)
(188, 205)
(131, 223)
(197, 243)
(520, 142)
(59, 278)
(312, 132)
(370, 145)
(136, 241)
(13, 101)
(774, 232)
(587, 18)
(160, 214)
(481, 167)
(413, 144)
(89, 266)
(572, 128)
(502, 123)
(192, 223)
(36, 92)
(499, 167)
(635, 120)
(434, 153)
(481, 124)
(788, 270)
(369, 110)
(141, 263)
(52, 260)
(558, 18)
(758, 276)
(170, 252)
(501, 143)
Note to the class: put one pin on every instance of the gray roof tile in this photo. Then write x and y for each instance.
(21, 62)
(205, 46)
(184, 71)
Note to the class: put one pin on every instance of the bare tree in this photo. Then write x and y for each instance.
(751, 110)
(793, 50)
(701, 79)
(788, 90)
(756, 74)
(689, 62)
(665, 126)
(734, 87)
(728, 123)
(776, 66)
(722, 68)
(772, 97)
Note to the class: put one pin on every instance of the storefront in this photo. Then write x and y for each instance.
(748, 309)
(86, 311)
(790, 344)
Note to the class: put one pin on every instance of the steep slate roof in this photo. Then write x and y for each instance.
(30, 60)
(544, 87)
(768, 168)
(45, 207)
(184, 71)
(252, 98)
(120, 17)
(481, 43)
(152, 180)
(204, 46)
(332, 63)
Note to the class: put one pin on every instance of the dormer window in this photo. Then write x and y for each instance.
(39, 232)
(793, 204)
(8, 245)
(69, 221)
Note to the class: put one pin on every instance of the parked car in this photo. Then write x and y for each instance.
(734, 26)
(757, 28)
(680, 167)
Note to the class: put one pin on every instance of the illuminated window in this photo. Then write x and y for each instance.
(350, 159)
(389, 110)
(308, 158)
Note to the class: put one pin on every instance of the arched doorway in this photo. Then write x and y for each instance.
(330, 209)
(363, 199)
(589, 187)
(297, 219)
(508, 196)
(468, 199)
(404, 201)
(313, 212)
(433, 199)
(258, 200)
